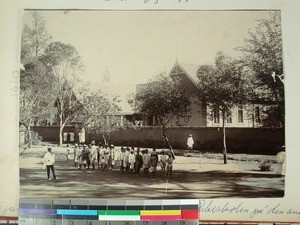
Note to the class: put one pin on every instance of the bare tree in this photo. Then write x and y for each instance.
(65, 64)
(102, 115)
(35, 80)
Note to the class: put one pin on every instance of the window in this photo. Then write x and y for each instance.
(240, 115)
(216, 116)
(257, 115)
(229, 117)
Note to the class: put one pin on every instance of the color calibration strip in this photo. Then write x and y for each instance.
(8, 220)
(92, 212)
(119, 215)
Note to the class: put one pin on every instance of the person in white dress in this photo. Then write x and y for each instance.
(190, 142)
(281, 161)
(131, 159)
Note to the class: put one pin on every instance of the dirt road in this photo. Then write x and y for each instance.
(194, 176)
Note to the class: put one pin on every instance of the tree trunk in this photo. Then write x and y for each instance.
(224, 138)
(29, 136)
(104, 139)
(61, 127)
(167, 140)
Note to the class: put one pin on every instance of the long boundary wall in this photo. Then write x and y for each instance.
(207, 139)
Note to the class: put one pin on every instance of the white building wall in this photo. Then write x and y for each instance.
(248, 118)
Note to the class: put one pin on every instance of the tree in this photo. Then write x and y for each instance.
(102, 115)
(35, 39)
(65, 64)
(262, 56)
(222, 86)
(163, 99)
(35, 80)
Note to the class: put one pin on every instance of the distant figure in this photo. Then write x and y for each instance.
(84, 157)
(68, 153)
(190, 142)
(153, 163)
(163, 160)
(93, 152)
(122, 157)
(49, 160)
(281, 161)
(76, 155)
(169, 165)
(131, 159)
(138, 161)
(112, 157)
(146, 161)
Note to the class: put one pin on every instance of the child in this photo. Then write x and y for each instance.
(153, 163)
(163, 160)
(146, 161)
(169, 165)
(76, 154)
(138, 162)
(93, 152)
(84, 157)
(105, 158)
(131, 160)
(68, 153)
(126, 159)
(122, 157)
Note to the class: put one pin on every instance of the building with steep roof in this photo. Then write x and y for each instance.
(201, 115)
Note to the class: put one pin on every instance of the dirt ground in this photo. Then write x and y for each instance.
(195, 175)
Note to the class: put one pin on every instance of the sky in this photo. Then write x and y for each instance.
(133, 46)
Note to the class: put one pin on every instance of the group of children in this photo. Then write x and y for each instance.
(129, 160)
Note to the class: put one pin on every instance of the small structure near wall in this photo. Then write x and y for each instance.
(22, 135)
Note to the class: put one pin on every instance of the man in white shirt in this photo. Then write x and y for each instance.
(190, 142)
(49, 160)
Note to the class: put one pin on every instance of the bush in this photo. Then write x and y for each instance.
(35, 138)
(265, 165)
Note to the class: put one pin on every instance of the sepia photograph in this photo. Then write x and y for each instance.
(152, 104)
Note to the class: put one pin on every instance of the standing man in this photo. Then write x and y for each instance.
(76, 155)
(153, 162)
(93, 152)
(190, 142)
(138, 162)
(49, 160)
(112, 156)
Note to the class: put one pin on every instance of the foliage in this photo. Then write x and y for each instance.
(36, 138)
(65, 64)
(35, 39)
(164, 99)
(262, 55)
(265, 165)
(102, 115)
(222, 86)
(36, 99)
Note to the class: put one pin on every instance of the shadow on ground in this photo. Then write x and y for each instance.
(73, 183)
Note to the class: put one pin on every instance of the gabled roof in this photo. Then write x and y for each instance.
(189, 70)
